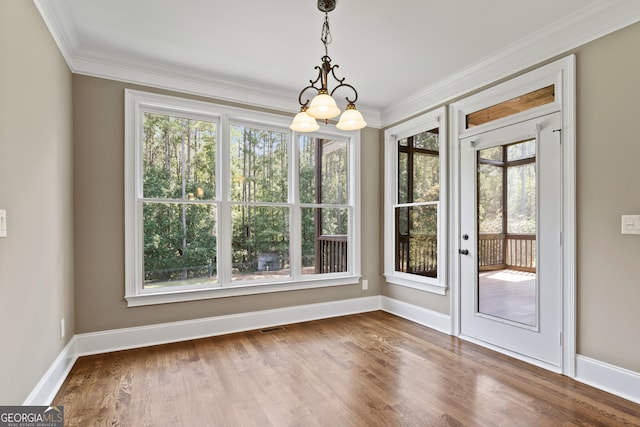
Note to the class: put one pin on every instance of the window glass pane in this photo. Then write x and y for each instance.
(259, 165)
(403, 142)
(403, 177)
(426, 177)
(179, 157)
(521, 199)
(323, 171)
(179, 244)
(427, 140)
(522, 150)
(417, 248)
(324, 240)
(260, 242)
(516, 105)
(490, 210)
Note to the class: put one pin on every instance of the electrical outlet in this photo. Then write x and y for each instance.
(61, 328)
(365, 284)
(3, 223)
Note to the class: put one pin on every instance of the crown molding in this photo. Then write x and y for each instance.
(58, 20)
(154, 74)
(584, 26)
(560, 38)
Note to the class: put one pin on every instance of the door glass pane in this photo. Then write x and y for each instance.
(506, 197)
(494, 153)
(521, 150)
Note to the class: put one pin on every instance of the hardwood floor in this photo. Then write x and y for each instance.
(371, 369)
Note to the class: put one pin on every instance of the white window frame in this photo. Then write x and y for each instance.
(425, 122)
(136, 104)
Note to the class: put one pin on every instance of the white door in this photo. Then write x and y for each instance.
(510, 238)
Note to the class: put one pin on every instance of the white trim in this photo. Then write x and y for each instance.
(586, 25)
(232, 290)
(46, 389)
(562, 74)
(423, 316)
(436, 118)
(610, 378)
(143, 336)
(529, 360)
(569, 232)
(408, 280)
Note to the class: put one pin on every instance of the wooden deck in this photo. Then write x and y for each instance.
(508, 294)
(371, 369)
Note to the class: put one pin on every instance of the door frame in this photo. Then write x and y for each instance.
(561, 74)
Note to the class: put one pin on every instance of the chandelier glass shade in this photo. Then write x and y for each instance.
(323, 106)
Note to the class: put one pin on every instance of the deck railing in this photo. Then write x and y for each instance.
(512, 251)
(331, 254)
(418, 255)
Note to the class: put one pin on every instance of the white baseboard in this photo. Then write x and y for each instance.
(609, 378)
(48, 386)
(143, 336)
(423, 316)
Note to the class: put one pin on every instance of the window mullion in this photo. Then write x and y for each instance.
(295, 212)
(223, 184)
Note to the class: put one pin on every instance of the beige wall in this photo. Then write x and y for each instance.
(608, 162)
(36, 259)
(99, 223)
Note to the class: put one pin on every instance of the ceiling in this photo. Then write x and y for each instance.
(389, 50)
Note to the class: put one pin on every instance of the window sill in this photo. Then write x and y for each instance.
(235, 290)
(435, 288)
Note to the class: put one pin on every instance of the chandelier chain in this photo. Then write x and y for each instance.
(326, 34)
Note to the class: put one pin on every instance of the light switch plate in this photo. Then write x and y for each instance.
(3, 223)
(630, 224)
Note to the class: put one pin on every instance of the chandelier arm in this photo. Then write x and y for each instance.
(355, 92)
(333, 73)
(305, 103)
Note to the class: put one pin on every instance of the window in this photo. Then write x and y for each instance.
(528, 101)
(222, 201)
(415, 156)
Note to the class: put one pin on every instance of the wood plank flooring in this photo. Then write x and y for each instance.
(371, 369)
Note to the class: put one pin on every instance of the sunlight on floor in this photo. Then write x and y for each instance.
(511, 276)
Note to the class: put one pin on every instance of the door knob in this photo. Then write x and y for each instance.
(463, 251)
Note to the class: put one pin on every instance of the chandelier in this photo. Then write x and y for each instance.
(323, 106)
